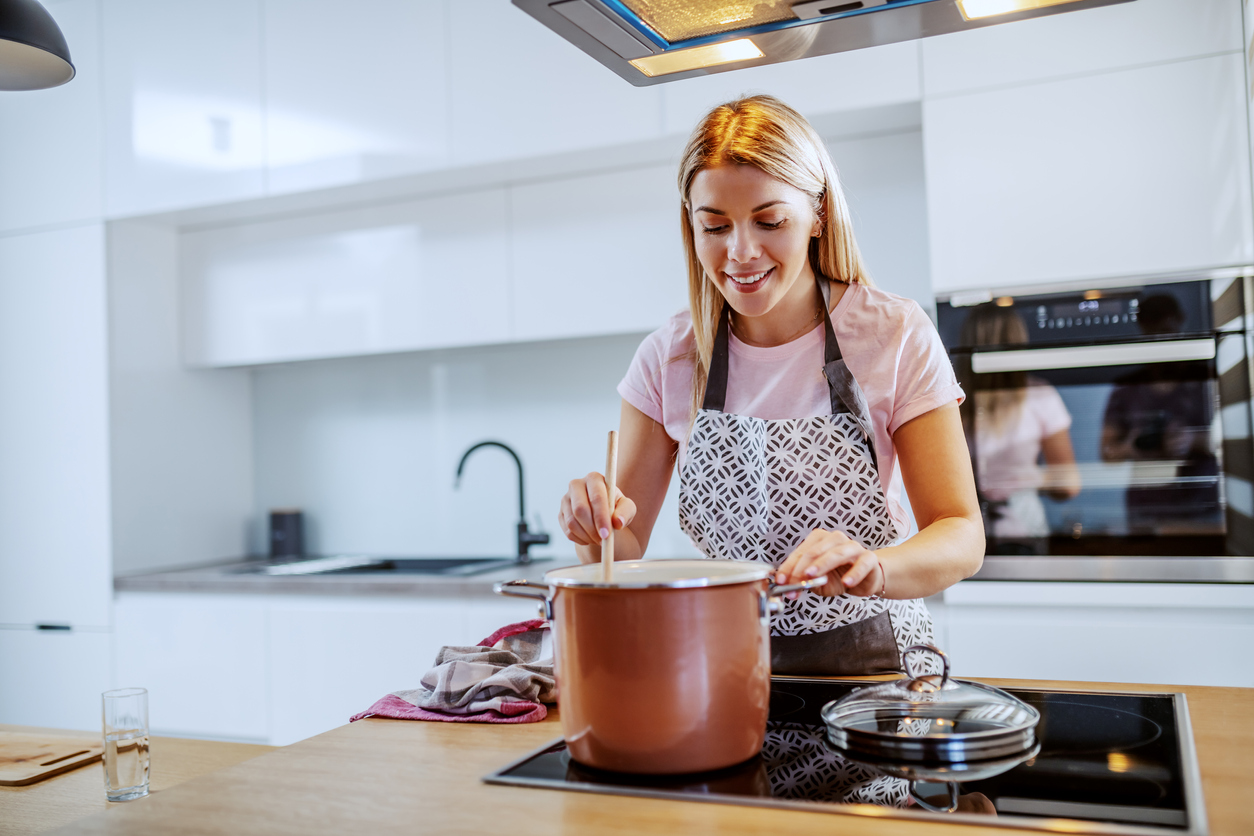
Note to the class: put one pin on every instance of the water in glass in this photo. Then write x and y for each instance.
(126, 764)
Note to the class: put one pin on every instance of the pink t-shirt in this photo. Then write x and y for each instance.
(1007, 456)
(887, 341)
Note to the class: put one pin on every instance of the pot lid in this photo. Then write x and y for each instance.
(660, 574)
(931, 719)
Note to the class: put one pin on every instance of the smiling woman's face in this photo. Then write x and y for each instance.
(752, 235)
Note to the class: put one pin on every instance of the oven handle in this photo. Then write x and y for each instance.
(1080, 357)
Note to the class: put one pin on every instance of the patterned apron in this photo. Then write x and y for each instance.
(753, 489)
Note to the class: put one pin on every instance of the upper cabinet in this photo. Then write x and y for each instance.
(518, 90)
(183, 104)
(353, 95)
(1116, 173)
(864, 78)
(1078, 43)
(50, 168)
(882, 177)
(422, 274)
(599, 254)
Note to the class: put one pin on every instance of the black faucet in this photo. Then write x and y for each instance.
(526, 538)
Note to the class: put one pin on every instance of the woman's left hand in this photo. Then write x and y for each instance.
(850, 568)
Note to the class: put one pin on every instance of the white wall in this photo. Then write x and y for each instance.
(368, 447)
(180, 439)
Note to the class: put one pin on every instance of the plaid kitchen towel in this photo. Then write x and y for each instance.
(506, 678)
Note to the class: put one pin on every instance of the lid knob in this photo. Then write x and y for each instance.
(921, 683)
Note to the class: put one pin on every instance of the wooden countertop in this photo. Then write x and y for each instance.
(390, 776)
(72, 795)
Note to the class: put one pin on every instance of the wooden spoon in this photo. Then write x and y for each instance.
(607, 545)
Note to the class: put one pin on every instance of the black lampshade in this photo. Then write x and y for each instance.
(33, 52)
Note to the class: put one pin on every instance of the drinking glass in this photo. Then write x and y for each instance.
(125, 719)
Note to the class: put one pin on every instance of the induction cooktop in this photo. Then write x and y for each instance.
(1116, 763)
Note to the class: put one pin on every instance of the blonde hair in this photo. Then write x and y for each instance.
(763, 132)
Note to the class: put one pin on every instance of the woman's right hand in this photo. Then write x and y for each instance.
(586, 516)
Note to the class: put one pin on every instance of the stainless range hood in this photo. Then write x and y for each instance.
(654, 41)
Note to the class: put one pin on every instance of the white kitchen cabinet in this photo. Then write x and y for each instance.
(844, 81)
(517, 89)
(423, 274)
(1174, 634)
(883, 180)
(54, 677)
(1136, 171)
(353, 97)
(599, 254)
(50, 140)
(481, 617)
(183, 104)
(1082, 43)
(267, 668)
(333, 658)
(1079, 43)
(1248, 17)
(202, 658)
(54, 421)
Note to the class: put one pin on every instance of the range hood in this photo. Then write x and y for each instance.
(655, 41)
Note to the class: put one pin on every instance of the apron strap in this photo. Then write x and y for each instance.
(831, 348)
(846, 395)
(716, 381)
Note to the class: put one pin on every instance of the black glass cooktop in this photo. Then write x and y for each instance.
(1107, 763)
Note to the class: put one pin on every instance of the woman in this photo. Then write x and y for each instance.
(790, 393)
(1014, 422)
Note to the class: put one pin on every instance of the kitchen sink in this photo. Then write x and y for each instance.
(345, 564)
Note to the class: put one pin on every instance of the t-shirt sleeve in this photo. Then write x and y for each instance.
(642, 385)
(925, 378)
(1051, 412)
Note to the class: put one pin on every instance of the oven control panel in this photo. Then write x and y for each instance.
(1099, 315)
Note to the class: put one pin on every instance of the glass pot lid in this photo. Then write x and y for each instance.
(930, 719)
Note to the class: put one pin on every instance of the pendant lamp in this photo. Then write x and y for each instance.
(33, 52)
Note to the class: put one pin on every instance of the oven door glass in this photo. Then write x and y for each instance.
(1099, 450)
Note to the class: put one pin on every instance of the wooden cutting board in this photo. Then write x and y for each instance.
(27, 758)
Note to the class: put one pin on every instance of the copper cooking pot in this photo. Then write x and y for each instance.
(666, 669)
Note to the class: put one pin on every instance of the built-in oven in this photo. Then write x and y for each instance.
(1111, 420)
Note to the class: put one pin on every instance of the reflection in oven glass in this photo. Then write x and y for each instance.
(1019, 428)
(1165, 414)
(1095, 460)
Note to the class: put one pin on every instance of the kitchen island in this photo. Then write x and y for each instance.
(388, 776)
(64, 798)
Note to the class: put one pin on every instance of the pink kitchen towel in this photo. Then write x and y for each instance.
(506, 678)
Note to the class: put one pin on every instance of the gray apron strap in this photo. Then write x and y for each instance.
(716, 381)
(846, 395)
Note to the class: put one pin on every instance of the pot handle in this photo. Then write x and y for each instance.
(770, 603)
(522, 588)
(777, 591)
